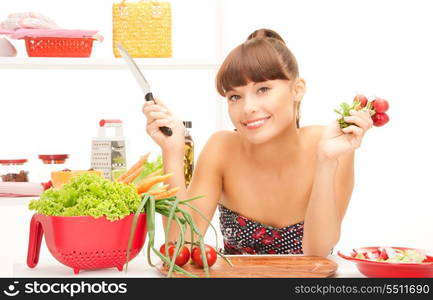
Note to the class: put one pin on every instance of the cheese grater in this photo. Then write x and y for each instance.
(108, 151)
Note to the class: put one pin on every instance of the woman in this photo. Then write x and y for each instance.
(279, 188)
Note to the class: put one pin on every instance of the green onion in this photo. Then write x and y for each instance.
(172, 208)
(134, 224)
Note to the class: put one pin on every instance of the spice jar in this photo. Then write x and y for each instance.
(52, 162)
(14, 170)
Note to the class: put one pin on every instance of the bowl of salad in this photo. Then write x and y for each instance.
(395, 262)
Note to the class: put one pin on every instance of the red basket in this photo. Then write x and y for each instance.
(58, 46)
(85, 243)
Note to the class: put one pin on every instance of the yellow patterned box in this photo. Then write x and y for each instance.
(143, 28)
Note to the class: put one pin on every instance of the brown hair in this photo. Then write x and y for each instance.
(263, 56)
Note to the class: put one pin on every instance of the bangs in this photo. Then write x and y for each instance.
(253, 61)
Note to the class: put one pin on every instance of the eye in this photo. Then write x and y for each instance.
(233, 98)
(263, 90)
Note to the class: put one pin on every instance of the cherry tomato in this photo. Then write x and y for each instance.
(211, 256)
(380, 105)
(380, 119)
(183, 256)
(362, 99)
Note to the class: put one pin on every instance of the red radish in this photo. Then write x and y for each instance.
(376, 110)
(380, 105)
(383, 255)
(380, 119)
(362, 99)
(354, 253)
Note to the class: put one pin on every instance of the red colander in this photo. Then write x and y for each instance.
(85, 243)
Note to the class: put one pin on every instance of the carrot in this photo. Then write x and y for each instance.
(148, 182)
(137, 165)
(132, 177)
(167, 194)
(154, 192)
(157, 172)
(158, 190)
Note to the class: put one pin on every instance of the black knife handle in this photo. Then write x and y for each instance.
(149, 97)
(165, 130)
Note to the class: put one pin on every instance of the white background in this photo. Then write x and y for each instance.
(378, 48)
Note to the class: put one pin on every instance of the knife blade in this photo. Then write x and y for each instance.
(142, 82)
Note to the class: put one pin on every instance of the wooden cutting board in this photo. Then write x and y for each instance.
(250, 266)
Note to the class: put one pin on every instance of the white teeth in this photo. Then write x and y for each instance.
(256, 123)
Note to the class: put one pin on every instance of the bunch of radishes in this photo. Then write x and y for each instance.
(376, 108)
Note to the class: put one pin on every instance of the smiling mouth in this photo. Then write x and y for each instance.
(256, 123)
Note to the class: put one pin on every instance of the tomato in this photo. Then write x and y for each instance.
(211, 256)
(380, 105)
(183, 256)
(362, 99)
(380, 119)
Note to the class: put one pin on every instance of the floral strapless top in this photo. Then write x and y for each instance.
(244, 236)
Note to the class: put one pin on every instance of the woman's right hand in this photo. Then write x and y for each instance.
(158, 115)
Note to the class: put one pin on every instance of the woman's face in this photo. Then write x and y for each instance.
(262, 110)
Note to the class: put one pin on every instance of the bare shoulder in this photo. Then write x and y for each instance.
(222, 139)
(312, 133)
(312, 129)
(219, 145)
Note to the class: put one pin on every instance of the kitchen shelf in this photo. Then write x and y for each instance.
(73, 63)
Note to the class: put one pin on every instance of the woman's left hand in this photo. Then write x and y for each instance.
(336, 141)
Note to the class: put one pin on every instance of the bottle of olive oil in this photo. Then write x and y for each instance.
(188, 160)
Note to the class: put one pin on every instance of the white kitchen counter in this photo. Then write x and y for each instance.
(14, 229)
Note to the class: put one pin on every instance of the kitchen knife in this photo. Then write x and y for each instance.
(142, 82)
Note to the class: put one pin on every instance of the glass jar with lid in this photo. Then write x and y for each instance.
(50, 163)
(14, 170)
